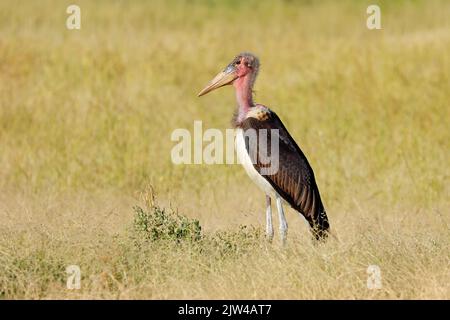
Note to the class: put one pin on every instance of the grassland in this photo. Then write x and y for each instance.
(85, 124)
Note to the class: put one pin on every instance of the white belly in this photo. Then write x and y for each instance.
(246, 162)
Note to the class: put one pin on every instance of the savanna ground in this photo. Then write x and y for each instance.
(85, 124)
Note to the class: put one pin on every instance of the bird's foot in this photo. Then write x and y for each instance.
(283, 240)
(269, 236)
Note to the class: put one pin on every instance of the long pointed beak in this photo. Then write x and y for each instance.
(222, 79)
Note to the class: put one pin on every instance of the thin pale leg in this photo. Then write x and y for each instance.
(283, 222)
(269, 225)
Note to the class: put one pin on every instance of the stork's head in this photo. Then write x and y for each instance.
(244, 66)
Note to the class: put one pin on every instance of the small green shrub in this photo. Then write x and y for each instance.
(159, 224)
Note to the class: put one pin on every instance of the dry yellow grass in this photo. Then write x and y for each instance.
(85, 124)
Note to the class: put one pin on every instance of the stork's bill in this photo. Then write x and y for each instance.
(225, 77)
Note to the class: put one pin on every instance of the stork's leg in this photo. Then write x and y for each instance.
(269, 225)
(283, 222)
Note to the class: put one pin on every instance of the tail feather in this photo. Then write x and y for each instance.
(320, 226)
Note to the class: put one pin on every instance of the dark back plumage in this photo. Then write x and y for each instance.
(294, 181)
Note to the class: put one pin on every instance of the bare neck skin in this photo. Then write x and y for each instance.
(244, 95)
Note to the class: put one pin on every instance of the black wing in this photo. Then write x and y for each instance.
(294, 180)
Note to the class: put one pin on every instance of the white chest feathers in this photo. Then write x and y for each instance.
(246, 162)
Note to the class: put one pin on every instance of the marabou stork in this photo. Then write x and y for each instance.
(294, 180)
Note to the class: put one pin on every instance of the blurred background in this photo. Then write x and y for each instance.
(86, 115)
(93, 109)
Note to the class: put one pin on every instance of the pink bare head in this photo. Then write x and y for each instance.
(241, 71)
